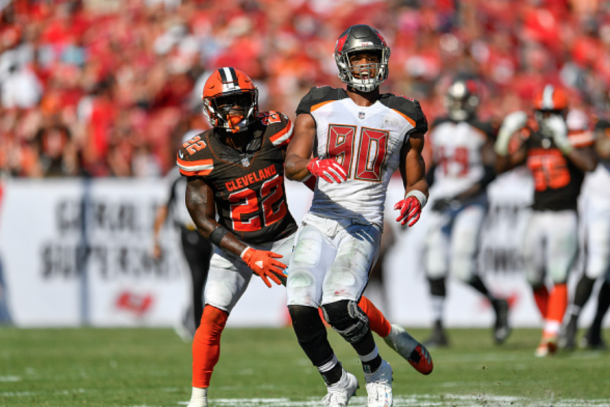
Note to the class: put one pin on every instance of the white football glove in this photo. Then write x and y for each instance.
(559, 129)
(513, 122)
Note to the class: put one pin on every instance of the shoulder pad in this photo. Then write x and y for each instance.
(279, 127)
(193, 158)
(408, 108)
(485, 127)
(319, 95)
(440, 120)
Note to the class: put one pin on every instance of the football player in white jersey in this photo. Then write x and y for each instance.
(358, 138)
(462, 167)
(596, 221)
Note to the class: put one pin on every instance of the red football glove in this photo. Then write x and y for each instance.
(410, 210)
(264, 264)
(328, 169)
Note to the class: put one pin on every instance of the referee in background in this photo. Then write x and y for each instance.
(197, 250)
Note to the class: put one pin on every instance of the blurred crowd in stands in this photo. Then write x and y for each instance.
(108, 87)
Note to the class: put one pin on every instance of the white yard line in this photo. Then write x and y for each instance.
(418, 400)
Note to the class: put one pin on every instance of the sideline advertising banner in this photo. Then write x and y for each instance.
(78, 253)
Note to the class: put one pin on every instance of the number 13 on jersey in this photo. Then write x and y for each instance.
(367, 163)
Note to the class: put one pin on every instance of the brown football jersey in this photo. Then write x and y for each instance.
(557, 181)
(248, 185)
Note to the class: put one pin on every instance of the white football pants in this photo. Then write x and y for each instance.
(452, 242)
(331, 261)
(596, 219)
(550, 245)
(229, 275)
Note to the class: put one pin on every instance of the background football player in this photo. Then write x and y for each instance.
(359, 138)
(462, 167)
(196, 249)
(237, 169)
(557, 163)
(595, 215)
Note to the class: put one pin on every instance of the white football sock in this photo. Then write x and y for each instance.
(199, 397)
(438, 306)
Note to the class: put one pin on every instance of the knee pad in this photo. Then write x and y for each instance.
(347, 319)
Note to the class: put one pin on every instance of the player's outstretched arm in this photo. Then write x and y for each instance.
(505, 159)
(299, 165)
(200, 204)
(413, 172)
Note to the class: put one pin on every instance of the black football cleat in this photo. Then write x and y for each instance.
(593, 339)
(501, 327)
(567, 340)
(438, 339)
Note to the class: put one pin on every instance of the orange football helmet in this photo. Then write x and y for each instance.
(551, 98)
(230, 100)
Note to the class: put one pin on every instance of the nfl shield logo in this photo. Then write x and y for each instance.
(361, 115)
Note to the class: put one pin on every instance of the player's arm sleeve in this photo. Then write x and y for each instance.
(282, 131)
(317, 97)
(194, 163)
(421, 123)
(411, 111)
(306, 103)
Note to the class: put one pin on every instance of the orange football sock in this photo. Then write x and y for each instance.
(206, 345)
(558, 303)
(541, 295)
(377, 321)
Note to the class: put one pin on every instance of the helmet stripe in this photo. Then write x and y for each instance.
(233, 75)
(547, 97)
(227, 72)
(223, 75)
(231, 80)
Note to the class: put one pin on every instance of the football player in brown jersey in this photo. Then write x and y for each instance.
(236, 197)
(558, 163)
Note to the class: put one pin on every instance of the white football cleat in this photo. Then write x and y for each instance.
(379, 386)
(199, 398)
(339, 393)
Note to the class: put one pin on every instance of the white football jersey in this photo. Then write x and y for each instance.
(456, 148)
(367, 142)
(597, 183)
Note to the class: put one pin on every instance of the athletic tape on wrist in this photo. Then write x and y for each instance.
(419, 195)
(244, 252)
(217, 235)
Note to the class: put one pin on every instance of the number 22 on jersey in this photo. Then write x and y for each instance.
(247, 204)
(368, 161)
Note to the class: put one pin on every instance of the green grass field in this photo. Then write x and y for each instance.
(265, 367)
